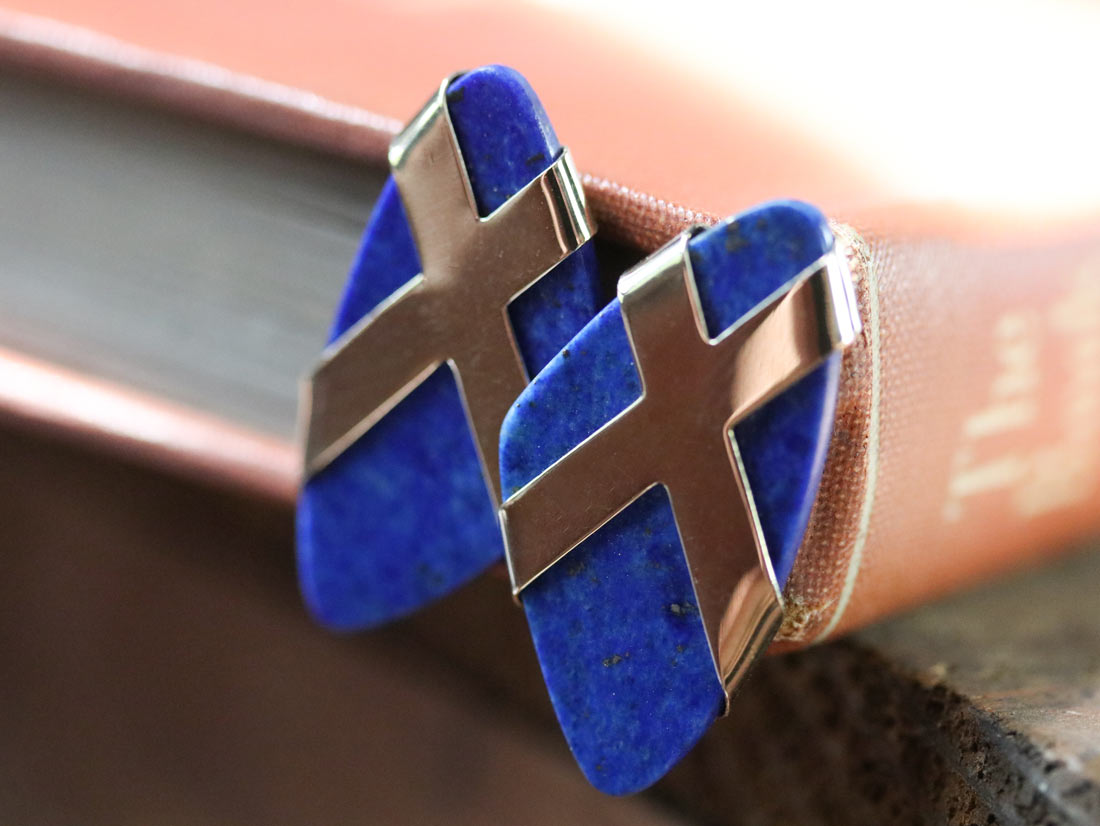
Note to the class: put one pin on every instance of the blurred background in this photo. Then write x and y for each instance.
(182, 189)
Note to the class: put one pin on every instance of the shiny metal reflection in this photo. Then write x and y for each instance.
(679, 434)
(455, 310)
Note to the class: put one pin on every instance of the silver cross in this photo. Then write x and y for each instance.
(455, 310)
(679, 433)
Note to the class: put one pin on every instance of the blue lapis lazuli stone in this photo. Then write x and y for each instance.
(404, 516)
(615, 625)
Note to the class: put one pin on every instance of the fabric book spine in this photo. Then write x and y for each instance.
(967, 438)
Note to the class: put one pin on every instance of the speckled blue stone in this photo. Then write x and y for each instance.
(615, 624)
(403, 516)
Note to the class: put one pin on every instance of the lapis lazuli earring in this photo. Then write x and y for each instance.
(474, 271)
(660, 473)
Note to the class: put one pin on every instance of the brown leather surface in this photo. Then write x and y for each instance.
(976, 371)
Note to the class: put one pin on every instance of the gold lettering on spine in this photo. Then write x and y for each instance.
(1062, 471)
(1066, 472)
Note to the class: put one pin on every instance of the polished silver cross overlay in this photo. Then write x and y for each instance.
(456, 310)
(679, 433)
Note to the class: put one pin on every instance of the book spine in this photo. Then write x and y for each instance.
(967, 439)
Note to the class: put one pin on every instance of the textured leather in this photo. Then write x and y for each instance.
(964, 441)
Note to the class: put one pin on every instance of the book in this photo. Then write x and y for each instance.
(965, 441)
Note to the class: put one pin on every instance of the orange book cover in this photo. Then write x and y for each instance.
(967, 202)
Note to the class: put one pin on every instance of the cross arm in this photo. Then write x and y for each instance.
(364, 374)
(788, 336)
(539, 226)
(431, 177)
(570, 500)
